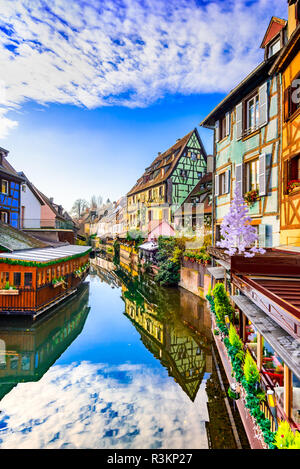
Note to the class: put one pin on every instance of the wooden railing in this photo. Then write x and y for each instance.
(218, 253)
(29, 299)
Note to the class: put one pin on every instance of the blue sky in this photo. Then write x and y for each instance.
(91, 91)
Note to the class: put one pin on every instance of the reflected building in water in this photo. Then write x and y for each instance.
(105, 270)
(175, 328)
(29, 348)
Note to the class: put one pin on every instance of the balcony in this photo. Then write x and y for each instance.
(37, 223)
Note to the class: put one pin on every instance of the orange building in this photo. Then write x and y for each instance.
(34, 280)
(288, 65)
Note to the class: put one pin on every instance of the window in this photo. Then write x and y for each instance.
(166, 168)
(4, 217)
(183, 173)
(28, 279)
(48, 275)
(17, 279)
(292, 98)
(4, 187)
(218, 232)
(222, 184)
(4, 278)
(295, 167)
(293, 173)
(223, 128)
(274, 47)
(253, 111)
(252, 176)
(252, 114)
(193, 156)
(199, 174)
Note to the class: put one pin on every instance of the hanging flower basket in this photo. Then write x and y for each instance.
(251, 197)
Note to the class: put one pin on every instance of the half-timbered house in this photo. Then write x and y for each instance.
(247, 127)
(11, 183)
(288, 66)
(166, 182)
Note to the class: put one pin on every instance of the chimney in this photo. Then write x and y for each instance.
(210, 160)
(293, 18)
(51, 200)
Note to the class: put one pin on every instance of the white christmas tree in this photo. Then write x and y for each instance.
(238, 235)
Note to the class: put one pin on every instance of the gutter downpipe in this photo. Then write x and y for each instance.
(213, 184)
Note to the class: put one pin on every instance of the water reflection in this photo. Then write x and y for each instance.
(139, 374)
(163, 327)
(29, 348)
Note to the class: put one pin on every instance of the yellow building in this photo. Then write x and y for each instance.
(288, 65)
(167, 182)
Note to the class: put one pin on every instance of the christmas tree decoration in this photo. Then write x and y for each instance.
(239, 236)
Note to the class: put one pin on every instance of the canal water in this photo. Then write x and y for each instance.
(123, 364)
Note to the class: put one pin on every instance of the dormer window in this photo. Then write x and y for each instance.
(274, 47)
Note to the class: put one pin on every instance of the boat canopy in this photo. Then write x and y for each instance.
(46, 254)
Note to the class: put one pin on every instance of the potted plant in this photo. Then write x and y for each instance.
(9, 290)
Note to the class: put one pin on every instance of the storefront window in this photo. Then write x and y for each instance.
(251, 336)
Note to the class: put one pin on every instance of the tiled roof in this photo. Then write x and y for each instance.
(6, 168)
(167, 160)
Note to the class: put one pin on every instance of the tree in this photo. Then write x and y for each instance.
(96, 202)
(79, 206)
(238, 235)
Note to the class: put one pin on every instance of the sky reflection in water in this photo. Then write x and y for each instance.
(106, 390)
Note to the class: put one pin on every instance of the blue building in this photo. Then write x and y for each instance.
(10, 186)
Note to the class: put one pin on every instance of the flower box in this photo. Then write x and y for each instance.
(251, 197)
(292, 185)
(57, 284)
(9, 292)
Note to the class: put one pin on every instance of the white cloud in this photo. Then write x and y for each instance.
(128, 53)
(99, 406)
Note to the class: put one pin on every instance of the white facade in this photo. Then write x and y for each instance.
(30, 208)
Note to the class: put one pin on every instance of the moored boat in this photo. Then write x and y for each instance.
(33, 280)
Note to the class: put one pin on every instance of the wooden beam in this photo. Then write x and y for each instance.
(288, 396)
(259, 357)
